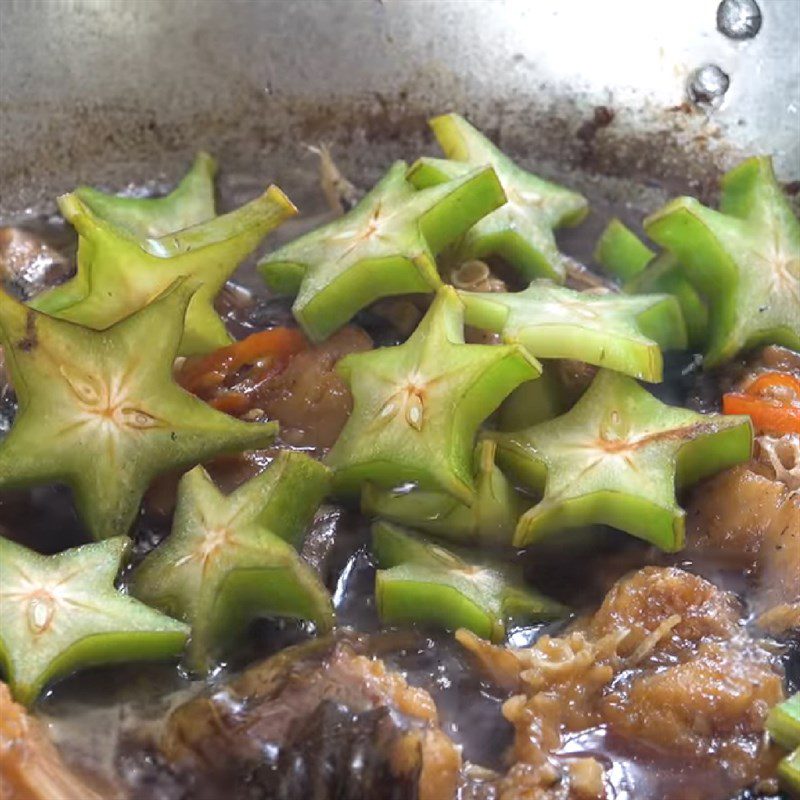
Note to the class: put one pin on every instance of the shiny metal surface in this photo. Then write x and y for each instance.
(109, 90)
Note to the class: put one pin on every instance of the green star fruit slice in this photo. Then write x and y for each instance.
(745, 259)
(783, 722)
(421, 582)
(619, 332)
(384, 246)
(624, 255)
(521, 232)
(664, 275)
(228, 560)
(490, 519)
(621, 252)
(534, 401)
(100, 411)
(417, 406)
(119, 273)
(62, 613)
(190, 203)
(615, 459)
(789, 772)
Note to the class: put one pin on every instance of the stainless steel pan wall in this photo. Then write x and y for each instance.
(109, 90)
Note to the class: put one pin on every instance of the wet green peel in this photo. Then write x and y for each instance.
(62, 613)
(622, 252)
(783, 724)
(789, 772)
(417, 406)
(119, 272)
(190, 203)
(624, 255)
(521, 232)
(534, 401)
(618, 332)
(744, 258)
(100, 411)
(422, 582)
(616, 458)
(491, 519)
(385, 246)
(229, 559)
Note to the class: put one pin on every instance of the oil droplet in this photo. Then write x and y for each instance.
(739, 19)
(707, 86)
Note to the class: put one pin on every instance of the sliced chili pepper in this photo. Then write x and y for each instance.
(765, 382)
(770, 411)
(204, 374)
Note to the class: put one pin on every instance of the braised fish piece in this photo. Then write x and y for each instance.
(252, 730)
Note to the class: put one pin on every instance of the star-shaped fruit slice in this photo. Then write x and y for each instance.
(490, 519)
(417, 406)
(615, 458)
(624, 333)
(385, 246)
(521, 232)
(420, 581)
(190, 203)
(744, 258)
(61, 613)
(100, 411)
(620, 251)
(783, 724)
(228, 559)
(119, 272)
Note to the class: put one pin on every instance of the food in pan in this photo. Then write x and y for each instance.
(437, 512)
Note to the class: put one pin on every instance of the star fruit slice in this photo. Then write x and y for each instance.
(490, 519)
(119, 273)
(615, 458)
(745, 259)
(421, 582)
(622, 333)
(417, 406)
(100, 411)
(783, 724)
(789, 771)
(625, 256)
(190, 203)
(534, 401)
(229, 559)
(61, 613)
(521, 232)
(384, 246)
